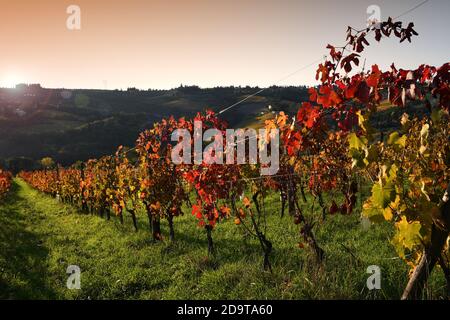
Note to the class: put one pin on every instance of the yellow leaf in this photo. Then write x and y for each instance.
(387, 213)
(422, 149)
(424, 133)
(408, 233)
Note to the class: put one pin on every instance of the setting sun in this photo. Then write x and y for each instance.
(11, 80)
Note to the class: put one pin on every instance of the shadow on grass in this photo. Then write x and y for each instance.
(22, 255)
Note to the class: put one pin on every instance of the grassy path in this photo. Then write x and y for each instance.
(40, 238)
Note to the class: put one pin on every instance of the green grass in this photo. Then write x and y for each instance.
(40, 238)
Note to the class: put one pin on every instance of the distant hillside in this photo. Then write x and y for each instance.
(82, 124)
(72, 125)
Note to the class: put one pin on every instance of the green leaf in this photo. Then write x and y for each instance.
(382, 195)
(436, 115)
(392, 173)
(395, 139)
(356, 142)
(357, 159)
(372, 154)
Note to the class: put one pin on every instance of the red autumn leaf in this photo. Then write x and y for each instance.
(312, 119)
(347, 61)
(350, 120)
(341, 85)
(358, 46)
(197, 211)
(294, 143)
(328, 97)
(427, 73)
(350, 91)
(308, 114)
(408, 33)
(336, 55)
(374, 78)
(393, 68)
(378, 34)
(312, 94)
(322, 69)
(363, 91)
(395, 96)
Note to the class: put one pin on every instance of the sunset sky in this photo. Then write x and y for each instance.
(163, 43)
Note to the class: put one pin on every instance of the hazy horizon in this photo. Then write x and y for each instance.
(146, 89)
(161, 44)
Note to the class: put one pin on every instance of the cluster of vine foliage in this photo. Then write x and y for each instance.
(323, 148)
(409, 169)
(5, 182)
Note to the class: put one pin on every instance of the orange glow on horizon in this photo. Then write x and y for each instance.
(163, 43)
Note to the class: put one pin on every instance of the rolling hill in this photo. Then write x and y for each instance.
(72, 125)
